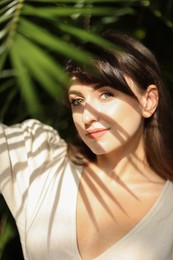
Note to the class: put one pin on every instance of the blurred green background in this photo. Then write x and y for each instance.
(37, 37)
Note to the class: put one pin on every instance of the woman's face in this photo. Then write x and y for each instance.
(105, 118)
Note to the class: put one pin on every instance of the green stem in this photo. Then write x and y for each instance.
(14, 22)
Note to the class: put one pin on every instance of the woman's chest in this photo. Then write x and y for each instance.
(105, 217)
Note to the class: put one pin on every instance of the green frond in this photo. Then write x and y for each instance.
(48, 12)
(25, 82)
(87, 1)
(41, 66)
(3, 2)
(8, 101)
(50, 41)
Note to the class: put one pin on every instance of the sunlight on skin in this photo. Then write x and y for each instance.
(118, 114)
(114, 187)
(110, 122)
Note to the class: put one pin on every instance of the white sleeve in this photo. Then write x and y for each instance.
(25, 149)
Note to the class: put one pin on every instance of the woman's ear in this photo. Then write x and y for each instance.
(150, 101)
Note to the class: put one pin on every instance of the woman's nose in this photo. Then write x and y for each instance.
(90, 114)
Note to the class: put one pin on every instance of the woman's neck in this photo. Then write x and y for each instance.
(124, 164)
(123, 157)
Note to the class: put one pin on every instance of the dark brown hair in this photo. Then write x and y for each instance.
(131, 58)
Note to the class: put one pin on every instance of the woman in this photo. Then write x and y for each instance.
(111, 196)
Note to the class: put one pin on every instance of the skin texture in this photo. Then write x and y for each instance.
(109, 121)
(119, 188)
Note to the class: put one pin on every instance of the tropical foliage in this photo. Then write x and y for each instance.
(39, 36)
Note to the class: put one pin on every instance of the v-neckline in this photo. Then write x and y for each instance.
(132, 232)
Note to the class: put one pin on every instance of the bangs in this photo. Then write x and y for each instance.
(105, 69)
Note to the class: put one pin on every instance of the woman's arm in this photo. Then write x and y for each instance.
(25, 150)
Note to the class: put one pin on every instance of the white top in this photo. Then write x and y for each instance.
(40, 186)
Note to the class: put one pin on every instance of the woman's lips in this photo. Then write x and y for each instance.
(96, 133)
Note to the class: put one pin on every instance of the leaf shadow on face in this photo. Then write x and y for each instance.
(93, 184)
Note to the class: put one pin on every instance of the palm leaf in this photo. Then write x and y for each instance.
(24, 80)
(43, 37)
(44, 69)
(38, 36)
(66, 11)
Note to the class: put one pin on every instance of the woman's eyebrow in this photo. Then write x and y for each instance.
(97, 87)
(73, 91)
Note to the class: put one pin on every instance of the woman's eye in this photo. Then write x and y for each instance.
(76, 101)
(106, 95)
